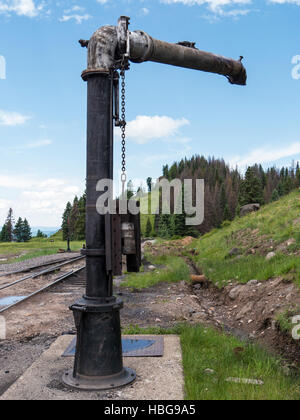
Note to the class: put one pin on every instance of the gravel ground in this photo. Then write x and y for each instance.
(7, 268)
(16, 357)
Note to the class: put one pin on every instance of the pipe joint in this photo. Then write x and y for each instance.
(110, 43)
(102, 49)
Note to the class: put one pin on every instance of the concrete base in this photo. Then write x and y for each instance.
(158, 378)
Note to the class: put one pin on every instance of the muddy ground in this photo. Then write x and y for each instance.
(247, 311)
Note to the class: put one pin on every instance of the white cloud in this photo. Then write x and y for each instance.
(266, 155)
(20, 7)
(145, 11)
(235, 12)
(41, 201)
(12, 118)
(29, 182)
(145, 128)
(75, 8)
(40, 143)
(49, 200)
(78, 18)
(103, 1)
(4, 204)
(297, 2)
(215, 6)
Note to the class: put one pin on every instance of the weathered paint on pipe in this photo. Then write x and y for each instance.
(107, 44)
(99, 166)
(145, 48)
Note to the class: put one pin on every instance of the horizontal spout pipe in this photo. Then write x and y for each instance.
(145, 48)
(109, 44)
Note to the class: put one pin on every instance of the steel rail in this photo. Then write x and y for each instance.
(57, 280)
(41, 273)
(65, 262)
(24, 270)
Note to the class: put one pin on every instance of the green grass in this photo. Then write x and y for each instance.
(135, 329)
(221, 271)
(35, 248)
(205, 348)
(174, 270)
(284, 320)
(274, 221)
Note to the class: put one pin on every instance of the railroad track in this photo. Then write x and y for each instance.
(44, 283)
(33, 267)
(40, 273)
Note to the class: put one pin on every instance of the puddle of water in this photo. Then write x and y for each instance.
(10, 300)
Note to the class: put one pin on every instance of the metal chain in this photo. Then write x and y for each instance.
(123, 125)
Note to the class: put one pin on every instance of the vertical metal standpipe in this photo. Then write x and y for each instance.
(98, 359)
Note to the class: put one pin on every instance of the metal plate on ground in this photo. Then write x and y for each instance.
(132, 347)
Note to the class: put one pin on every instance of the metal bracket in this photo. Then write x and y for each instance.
(188, 44)
(122, 31)
(93, 252)
(116, 99)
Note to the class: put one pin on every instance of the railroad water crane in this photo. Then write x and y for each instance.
(98, 359)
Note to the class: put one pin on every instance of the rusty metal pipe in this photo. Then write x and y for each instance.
(109, 43)
(145, 48)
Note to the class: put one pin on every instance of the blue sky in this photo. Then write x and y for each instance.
(172, 112)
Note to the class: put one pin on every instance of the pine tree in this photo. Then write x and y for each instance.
(73, 219)
(10, 225)
(149, 184)
(40, 234)
(223, 199)
(26, 231)
(18, 230)
(79, 233)
(298, 174)
(164, 226)
(251, 189)
(148, 228)
(165, 171)
(178, 223)
(227, 215)
(66, 221)
(4, 236)
(224, 204)
(287, 185)
(275, 195)
(178, 226)
(130, 192)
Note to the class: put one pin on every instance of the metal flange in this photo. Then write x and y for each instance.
(82, 383)
(94, 72)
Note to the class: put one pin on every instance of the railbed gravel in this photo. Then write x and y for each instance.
(7, 268)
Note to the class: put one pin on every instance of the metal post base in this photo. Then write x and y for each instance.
(103, 383)
(98, 358)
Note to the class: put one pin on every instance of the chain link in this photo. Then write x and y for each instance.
(123, 124)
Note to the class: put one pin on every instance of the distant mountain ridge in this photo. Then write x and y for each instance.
(48, 230)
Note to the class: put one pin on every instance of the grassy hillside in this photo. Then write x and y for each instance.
(275, 228)
(34, 248)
